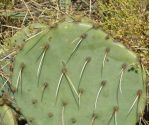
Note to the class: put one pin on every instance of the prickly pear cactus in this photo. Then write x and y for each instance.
(7, 116)
(26, 34)
(74, 74)
(4, 82)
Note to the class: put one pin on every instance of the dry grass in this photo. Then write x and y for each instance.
(128, 22)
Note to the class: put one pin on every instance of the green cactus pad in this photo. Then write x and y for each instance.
(74, 74)
(22, 36)
(7, 116)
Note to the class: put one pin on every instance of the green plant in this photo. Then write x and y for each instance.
(7, 115)
(73, 73)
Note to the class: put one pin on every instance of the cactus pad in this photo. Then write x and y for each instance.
(75, 74)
